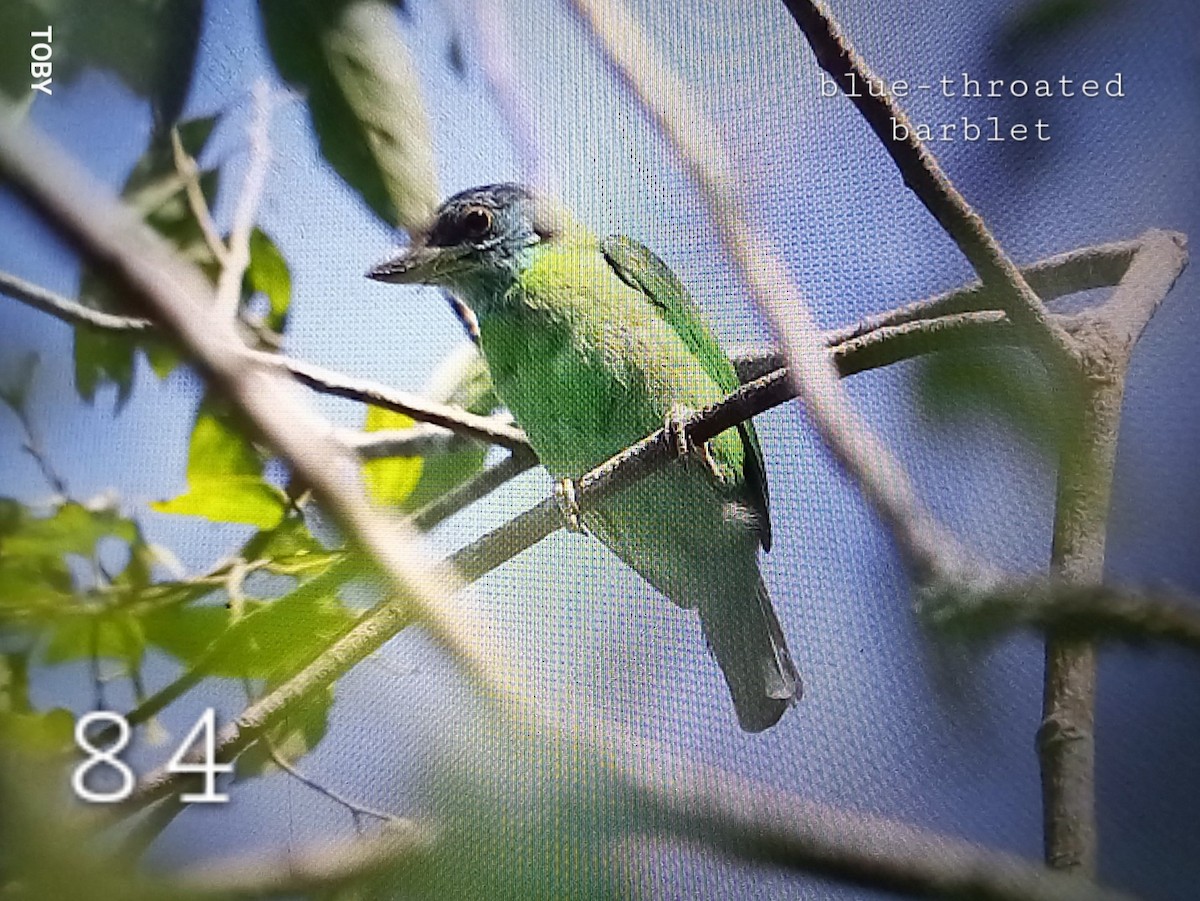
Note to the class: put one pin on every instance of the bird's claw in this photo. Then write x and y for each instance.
(568, 504)
(682, 446)
(676, 431)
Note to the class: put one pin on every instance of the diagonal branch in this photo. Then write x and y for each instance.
(1083, 269)
(187, 169)
(319, 868)
(925, 177)
(484, 428)
(237, 257)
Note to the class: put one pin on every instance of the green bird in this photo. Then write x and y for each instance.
(592, 345)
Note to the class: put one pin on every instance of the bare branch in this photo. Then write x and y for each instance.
(925, 177)
(422, 440)
(69, 311)
(1083, 269)
(322, 867)
(187, 169)
(1158, 262)
(1095, 612)
(318, 378)
(762, 825)
(233, 268)
(353, 806)
(325, 381)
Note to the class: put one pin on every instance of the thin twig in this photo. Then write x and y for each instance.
(1082, 269)
(485, 428)
(33, 440)
(324, 381)
(925, 177)
(422, 440)
(187, 169)
(233, 269)
(353, 806)
(69, 311)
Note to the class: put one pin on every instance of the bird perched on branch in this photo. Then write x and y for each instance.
(592, 345)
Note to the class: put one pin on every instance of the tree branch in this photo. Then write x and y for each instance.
(325, 381)
(237, 258)
(1087, 456)
(323, 867)
(422, 440)
(69, 311)
(1073, 611)
(925, 177)
(187, 169)
(1083, 269)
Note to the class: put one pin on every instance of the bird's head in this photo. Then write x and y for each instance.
(477, 236)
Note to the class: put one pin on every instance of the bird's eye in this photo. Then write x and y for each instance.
(477, 221)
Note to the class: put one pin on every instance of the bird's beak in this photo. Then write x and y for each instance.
(419, 264)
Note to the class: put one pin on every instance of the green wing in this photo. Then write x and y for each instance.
(638, 267)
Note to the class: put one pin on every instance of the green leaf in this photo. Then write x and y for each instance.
(390, 480)
(293, 737)
(43, 733)
(149, 44)
(224, 475)
(234, 499)
(463, 380)
(270, 640)
(112, 634)
(364, 99)
(268, 273)
(290, 549)
(158, 192)
(34, 552)
(186, 633)
(71, 529)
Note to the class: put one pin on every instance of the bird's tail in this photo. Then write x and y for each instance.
(746, 638)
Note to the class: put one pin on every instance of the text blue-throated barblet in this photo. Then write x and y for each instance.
(592, 345)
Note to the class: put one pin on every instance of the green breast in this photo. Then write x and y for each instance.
(585, 364)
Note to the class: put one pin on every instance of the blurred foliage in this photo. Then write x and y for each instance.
(520, 819)
(150, 45)
(410, 483)
(349, 58)
(1035, 25)
(157, 190)
(268, 274)
(1005, 381)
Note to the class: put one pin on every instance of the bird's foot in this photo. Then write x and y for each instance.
(681, 445)
(568, 504)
